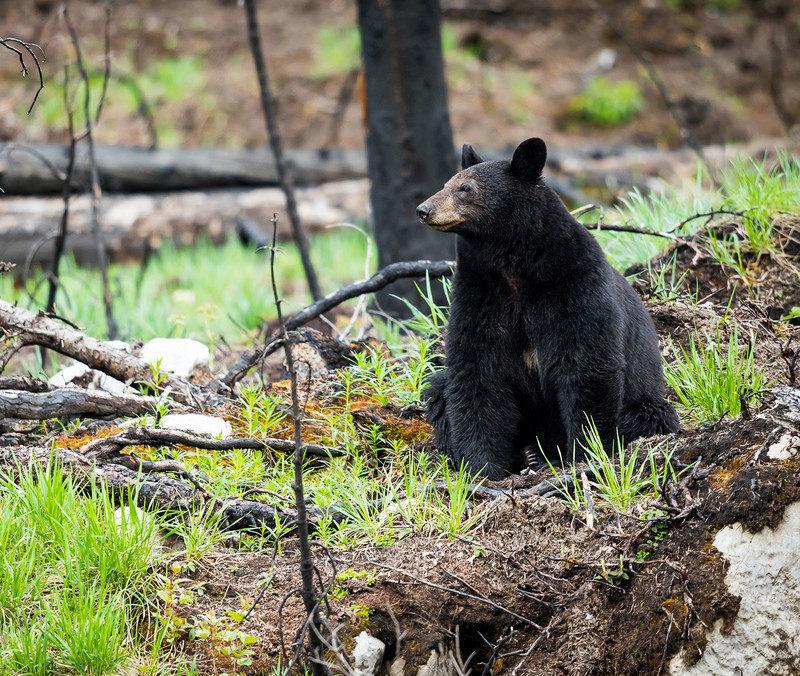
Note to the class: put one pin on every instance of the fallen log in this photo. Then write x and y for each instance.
(20, 327)
(69, 401)
(39, 169)
(153, 491)
(136, 224)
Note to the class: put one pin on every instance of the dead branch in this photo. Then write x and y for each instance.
(318, 664)
(71, 401)
(66, 193)
(20, 327)
(379, 280)
(9, 43)
(90, 122)
(155, 436)
(25, 384)
(285, 180)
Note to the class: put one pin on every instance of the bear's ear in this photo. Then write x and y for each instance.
(529, 159)
(469, 157)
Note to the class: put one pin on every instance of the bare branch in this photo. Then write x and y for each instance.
(102, 259)
(146, 436)
(379, 280)
(268, 106)
(28, 47)
(318, 664)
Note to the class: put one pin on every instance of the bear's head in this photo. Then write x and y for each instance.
(484, 189)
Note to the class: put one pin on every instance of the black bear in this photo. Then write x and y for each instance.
(543, 333)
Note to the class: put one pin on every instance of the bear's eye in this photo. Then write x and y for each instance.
(465, 187)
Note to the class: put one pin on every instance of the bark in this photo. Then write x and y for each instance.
(123, 169)
(409, 142)
(135, 224)
(71, 401)
(22, 327)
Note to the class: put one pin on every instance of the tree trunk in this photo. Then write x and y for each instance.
(409, 142)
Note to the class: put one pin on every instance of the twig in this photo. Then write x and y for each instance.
(28, 47)
(379, 280)
(450, 590)
(146, 436)
(318, 665)
(66, 192)
(268, 107)
(102, 259)
(68, 401)
(628, 228)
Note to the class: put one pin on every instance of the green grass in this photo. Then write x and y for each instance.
(760, 189)
(337, 50)
(203, 292)
(76, 577)
(607, 104)
(709, 377)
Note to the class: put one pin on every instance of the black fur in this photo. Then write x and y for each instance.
(543, 332)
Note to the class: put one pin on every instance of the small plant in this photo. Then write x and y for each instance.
(711, 380)
(226, 637)
(666, 284)
(613, 576)
(608, 104)
(618, 481)
(260, 411)
(338, 50)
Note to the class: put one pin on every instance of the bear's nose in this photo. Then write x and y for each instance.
(423, 211)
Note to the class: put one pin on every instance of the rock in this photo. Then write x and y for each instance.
(368, 654)
(437, 665)
(184, 357)
(195, 423)
(81, 375)
(766, 634)
(397, 667)
(131, 518)
(786, 447)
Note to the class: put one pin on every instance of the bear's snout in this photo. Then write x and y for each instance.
(423, 211)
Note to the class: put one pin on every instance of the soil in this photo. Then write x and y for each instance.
(534, 590)
(513, 68)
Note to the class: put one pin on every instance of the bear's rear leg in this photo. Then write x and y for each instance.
(648, 418)
(436, 412)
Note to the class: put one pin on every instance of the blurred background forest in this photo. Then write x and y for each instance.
(578, 74)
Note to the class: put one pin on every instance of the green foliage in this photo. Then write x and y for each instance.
(607, 104)
(202, 292)
(260, 411)
(338, 50)
(709, 378)
(763, 193)
(76, 576)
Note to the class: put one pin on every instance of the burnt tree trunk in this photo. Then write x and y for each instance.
(409, 141)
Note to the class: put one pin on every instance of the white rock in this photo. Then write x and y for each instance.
(766, 634)
(96, 379)
(368, 654)
(194, 423)
(786, 447)
(437, 665)
(181, 356)
(66, 375)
